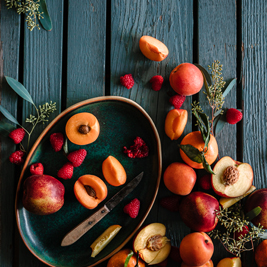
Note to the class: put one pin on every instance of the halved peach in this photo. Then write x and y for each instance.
(90, 190)
(113, 171)
(82, 128)
(230, 262)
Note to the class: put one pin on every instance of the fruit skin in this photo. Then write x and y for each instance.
(241, 234)
(57, 141)
(77, 157)
(197, 211)
(118, 259)
(37, 168)
(17, 157)
(258, 199)
(195, 139)
(66, 171)
(186, 79)
(196, 249)
(157, 82)
(127, 81)
(177, 100)
(207, 264)
(132, 208)
(152, 48)
(205, 182)
(43, 194)
(17, 135)
(261, 254)
(233, 116)
(170, 203)
(230, 262)
(175, 123)
(179, 178)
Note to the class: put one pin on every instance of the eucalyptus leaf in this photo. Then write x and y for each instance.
(128, 258)
(206, 134)
(19, 89)
(217, 113)
(191, 152)
(8, 115)
(253, 213)
(229, 87)
(206, 165)
(219, 123)
(65, 146)
(6, 128)
(46, 20)
(205, 73)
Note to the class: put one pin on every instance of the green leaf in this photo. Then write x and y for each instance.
(191, 152)
(65, 146)
(19, 89)
(8, 115)
(6, 128)
(217, 113)
(229, 87)
(128, 258)
(206, 134)
(46, 20)
(205, 73)
(219, 123)
(253, 213)
(206, 165)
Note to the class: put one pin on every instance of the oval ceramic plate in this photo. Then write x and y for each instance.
(121, 121)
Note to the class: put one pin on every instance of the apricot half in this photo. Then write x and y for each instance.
(90, 190)
(82, 128)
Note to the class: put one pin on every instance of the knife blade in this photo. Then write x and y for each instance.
(76, 233)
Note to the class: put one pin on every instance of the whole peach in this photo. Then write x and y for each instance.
(179, 178)
(197, 211)
(186, 79)
(207, 264)
(196, 249)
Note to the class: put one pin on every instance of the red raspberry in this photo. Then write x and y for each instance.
(138, 150)
(127, 81)
(77, 157)
(17, 135)
(57, 141)
(17, 157)
(233, 116)
(177, 100)
(205, 182)
(157, 82)
(132, 208)
(37, 168)
(66, 171)
(170, 203)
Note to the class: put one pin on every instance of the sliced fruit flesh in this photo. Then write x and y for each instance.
(104, 239)
(162, 255)
(230, 262)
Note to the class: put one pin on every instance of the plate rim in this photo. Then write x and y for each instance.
(51, 124)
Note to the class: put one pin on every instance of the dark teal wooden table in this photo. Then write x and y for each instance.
(94, 42)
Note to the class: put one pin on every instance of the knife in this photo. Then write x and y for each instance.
(76, 233)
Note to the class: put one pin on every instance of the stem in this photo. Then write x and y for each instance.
(212, 119)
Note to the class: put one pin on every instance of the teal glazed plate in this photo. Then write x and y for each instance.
(121, 121)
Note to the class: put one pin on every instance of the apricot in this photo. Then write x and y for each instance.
(186, 79)
(175, 123)
(261, 254)
(90, 190)
(179, 178)
(152, 48)
(196, 249)
(207, 264)
(113, 171)
(82, 128)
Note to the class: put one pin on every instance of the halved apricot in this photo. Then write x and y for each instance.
(113, 171)
(82, 128)
(90, 190)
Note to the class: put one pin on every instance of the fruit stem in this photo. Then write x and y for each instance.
(137, 259)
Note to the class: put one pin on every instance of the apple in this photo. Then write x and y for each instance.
(197, 211)
(231, 178)
(258, 199)
(152, 244)
(196, 249)
(230, 262)
(43, 194)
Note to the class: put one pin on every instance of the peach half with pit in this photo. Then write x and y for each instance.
(232, 178)
(152, 244)
(230, 262)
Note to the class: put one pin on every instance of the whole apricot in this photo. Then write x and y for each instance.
(186, 79)
(152, 48)
(261, 254)
(179, 178)
(196, 249)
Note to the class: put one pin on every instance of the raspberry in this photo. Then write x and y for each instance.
(37, 168)
(177, 100)
(66, 171)
(132, 208)
(138, 150)
(205, 182)
(127, 81)
(170, 203)
(17, 157)
(233, 116)
(157, 82)
(57, 141)
(77, 157)
(17, 135)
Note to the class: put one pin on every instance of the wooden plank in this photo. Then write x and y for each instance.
(217, 41)
(172, 23)
(42, 76)
(9, 58)
(86, 50)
